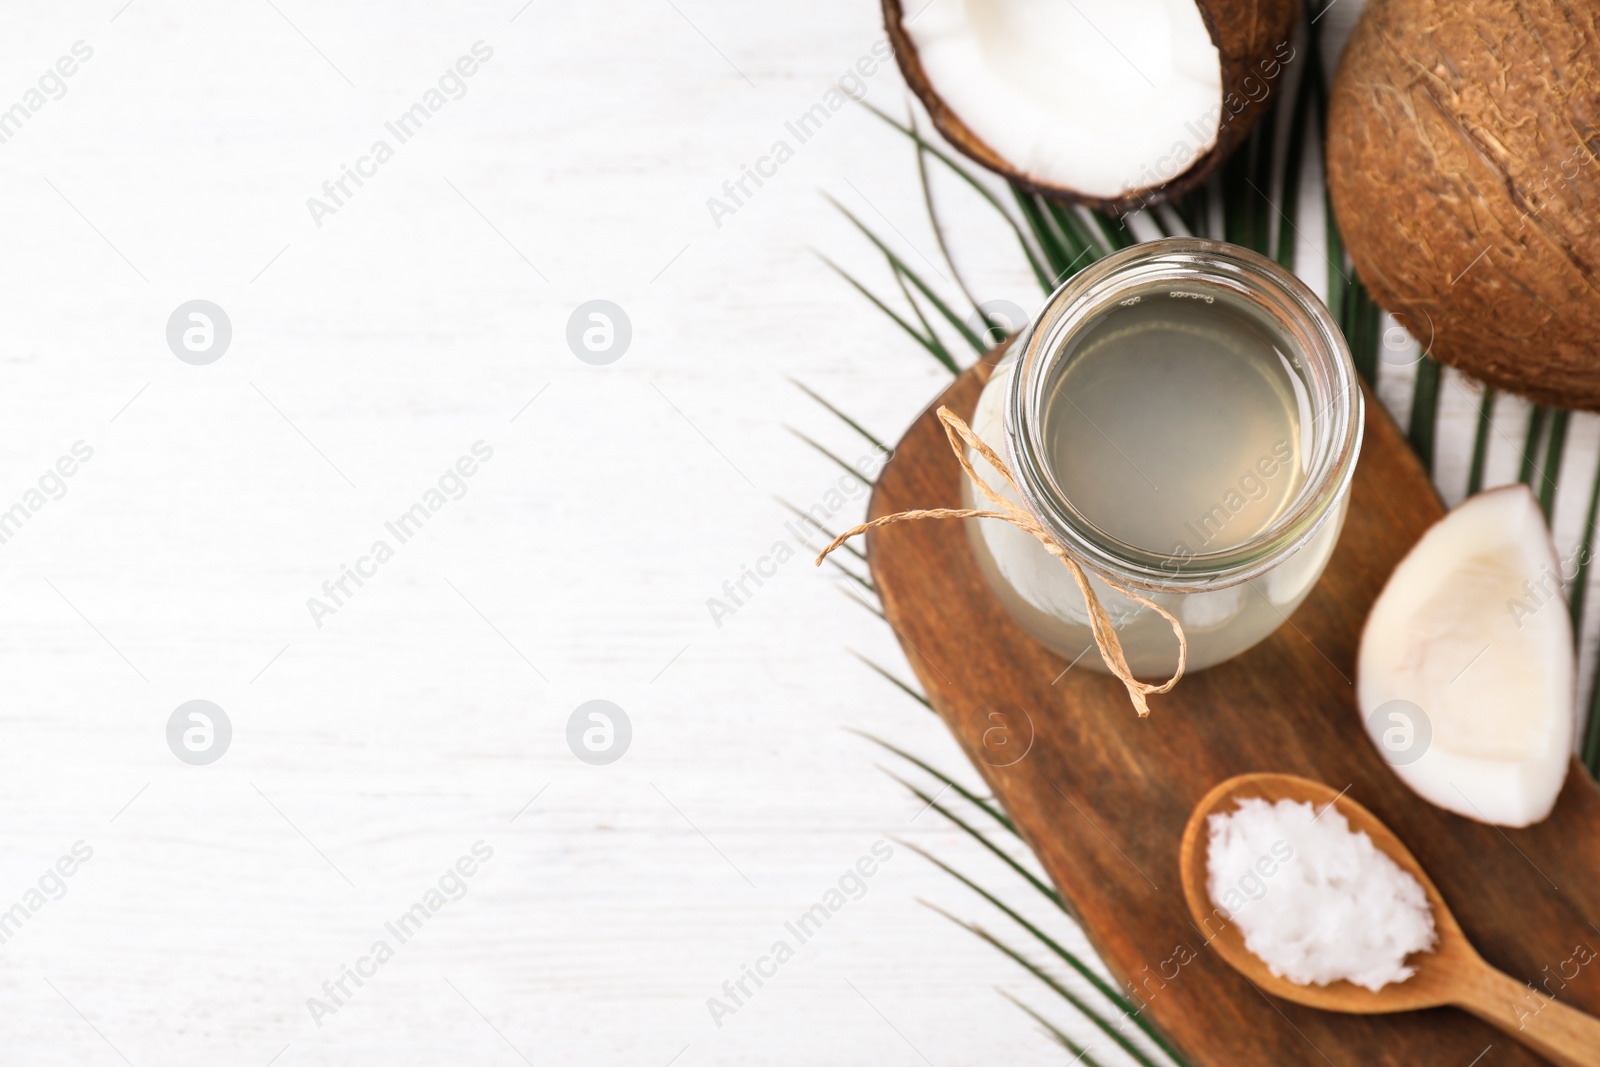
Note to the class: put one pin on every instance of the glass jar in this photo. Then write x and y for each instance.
(1227, 592)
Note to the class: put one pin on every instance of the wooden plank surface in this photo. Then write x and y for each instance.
(1102, 797)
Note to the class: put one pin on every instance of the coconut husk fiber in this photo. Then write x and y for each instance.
(1464, 166)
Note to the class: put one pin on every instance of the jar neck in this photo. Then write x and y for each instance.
(1321, 361)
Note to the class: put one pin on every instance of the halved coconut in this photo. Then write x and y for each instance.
(1113, 103)
(1466, 676)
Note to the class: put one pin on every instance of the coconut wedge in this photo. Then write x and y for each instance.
(1466, 674)
(1112, 103)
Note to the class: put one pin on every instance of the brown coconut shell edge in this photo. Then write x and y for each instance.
(1245, 32)
(1463, 152)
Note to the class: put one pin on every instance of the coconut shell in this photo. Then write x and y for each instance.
(1464, 165)
(1254, 39)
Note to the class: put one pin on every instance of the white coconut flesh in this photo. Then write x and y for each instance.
(1103, 97)
(1472, 629)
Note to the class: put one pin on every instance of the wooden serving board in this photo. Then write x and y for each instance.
(1102, 797)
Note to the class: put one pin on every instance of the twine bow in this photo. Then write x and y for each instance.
(1105, 635)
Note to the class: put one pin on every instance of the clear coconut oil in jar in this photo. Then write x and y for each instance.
(1183, 417)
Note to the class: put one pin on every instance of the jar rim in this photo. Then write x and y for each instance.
(1337, 402)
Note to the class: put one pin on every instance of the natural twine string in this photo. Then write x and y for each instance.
(1105, 635)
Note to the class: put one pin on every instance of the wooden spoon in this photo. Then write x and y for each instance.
(1452, 974)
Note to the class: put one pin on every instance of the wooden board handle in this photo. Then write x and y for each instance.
(1561, 1034)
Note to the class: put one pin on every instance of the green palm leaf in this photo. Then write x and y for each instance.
(1079, 1053)
(938, 227)
(1480, 441)
(1425, 411)
(824, 450)
(1530, 447)
(1000, 853)
(862, 603)
(1122, 1004)
(1550, 476)
(1069, 222)
(1114, 237)
(898, 684)
(804, 517)
(915, 279)
(916, 308)
(1580, 579)
(1293, 160)
(846, 419)
(972, 180)
(1194, 210)
(1104, 1025)
(988, 807)
(934, 346)
(1055, 253)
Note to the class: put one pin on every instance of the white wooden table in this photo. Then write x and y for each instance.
(375, 743)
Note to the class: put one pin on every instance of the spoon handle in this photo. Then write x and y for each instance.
(1563, 1035)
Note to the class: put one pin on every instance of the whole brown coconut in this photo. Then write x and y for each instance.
(1254, 41)
(1464, 166)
